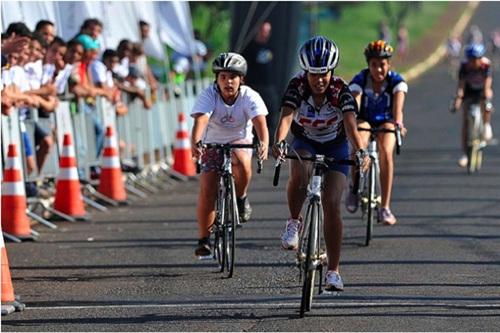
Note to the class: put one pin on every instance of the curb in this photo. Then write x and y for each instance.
(440, 52)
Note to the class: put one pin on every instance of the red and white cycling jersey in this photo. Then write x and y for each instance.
(321, 124)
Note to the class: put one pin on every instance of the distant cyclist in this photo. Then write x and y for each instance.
(475, 83)
(321, 112)
(380, 94)
(225, 112)
(453, 53)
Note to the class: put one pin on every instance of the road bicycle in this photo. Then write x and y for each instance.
(368, 182)
(227, 216)
(311, 256)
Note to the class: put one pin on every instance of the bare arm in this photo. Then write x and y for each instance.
(200, 124)
(282, 130)
(460, 94)
(260, 125)
(488, 90)
(351, 129)
(397, 109)
(284, 124)
(48, 89)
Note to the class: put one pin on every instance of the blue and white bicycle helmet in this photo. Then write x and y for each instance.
(474, 50)
(318, 55)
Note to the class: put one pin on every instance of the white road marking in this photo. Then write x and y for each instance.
(269, 304)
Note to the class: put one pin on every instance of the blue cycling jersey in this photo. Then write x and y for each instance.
(376, 108)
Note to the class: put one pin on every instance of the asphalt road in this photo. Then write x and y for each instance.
(133, 269)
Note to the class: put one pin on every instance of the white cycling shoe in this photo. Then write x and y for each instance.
(462, 161)
(333, 282)
(487, 132)
(290, 238)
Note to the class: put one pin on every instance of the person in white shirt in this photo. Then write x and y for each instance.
(225, 113)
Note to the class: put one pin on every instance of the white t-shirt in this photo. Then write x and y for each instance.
(121, 69)
(49, 71)
(6, 77)
(100, 74)
(34, 71)
(62, 77)
(229, 122)
(18, 78)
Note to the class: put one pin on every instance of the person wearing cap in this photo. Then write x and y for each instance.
(91, 50)
(225, 112)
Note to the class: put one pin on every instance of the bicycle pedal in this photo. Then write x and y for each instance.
(323, 258)
(300, 257)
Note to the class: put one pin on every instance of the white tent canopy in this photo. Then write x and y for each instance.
(170, 20)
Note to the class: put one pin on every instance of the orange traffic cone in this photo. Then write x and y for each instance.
(183, 161)
(68, 193)
(14, 218)
(111, 181)
(9, 302)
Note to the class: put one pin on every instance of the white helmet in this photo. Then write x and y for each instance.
(231, 62)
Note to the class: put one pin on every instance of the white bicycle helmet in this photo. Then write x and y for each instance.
(231, 62)
(318, 55)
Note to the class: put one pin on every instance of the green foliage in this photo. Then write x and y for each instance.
(359, 24)
(213, 21)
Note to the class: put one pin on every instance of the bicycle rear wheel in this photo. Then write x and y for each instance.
(479, 159)
(475, 129)
(471, 159)
(311, 238)
(230, 227)
(371, 204)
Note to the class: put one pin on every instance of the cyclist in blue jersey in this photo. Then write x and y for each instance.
(321, 113)
(475, 81)
(380, 95)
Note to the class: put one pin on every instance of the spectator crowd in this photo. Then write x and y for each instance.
(39, 69)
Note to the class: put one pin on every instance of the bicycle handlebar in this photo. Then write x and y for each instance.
(314, 158)
(397, 133)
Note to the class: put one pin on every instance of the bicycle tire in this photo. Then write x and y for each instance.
(474, 140)
(311, 254)
(218, 231)
(370, 207)
(230, 227)
(479, 159)
(471, 159)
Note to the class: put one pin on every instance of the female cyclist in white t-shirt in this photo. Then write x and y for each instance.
(225, 113)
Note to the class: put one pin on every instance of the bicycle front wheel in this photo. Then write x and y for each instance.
(312, 255)
(473, 153)
(219, 231)
(371, 204)
(230, 227)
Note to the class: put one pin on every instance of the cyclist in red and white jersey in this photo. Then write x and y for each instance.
(475, 83)
(320, 110)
